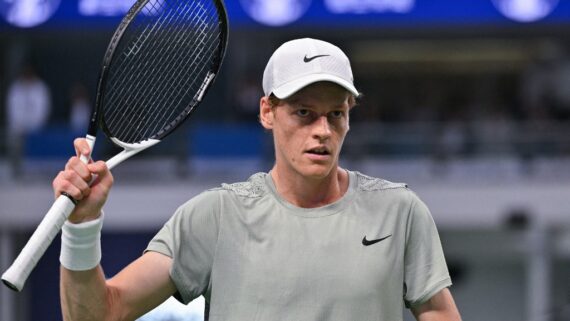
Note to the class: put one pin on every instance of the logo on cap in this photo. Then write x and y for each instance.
(309, 59)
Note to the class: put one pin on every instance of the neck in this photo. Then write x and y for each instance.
(309, 192)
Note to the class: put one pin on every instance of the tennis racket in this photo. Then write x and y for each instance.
(161, 60)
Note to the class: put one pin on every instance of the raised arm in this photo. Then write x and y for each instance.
(137, 289)
(85, 294)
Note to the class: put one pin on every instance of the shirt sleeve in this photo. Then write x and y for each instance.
(190, 238)
(425, 271)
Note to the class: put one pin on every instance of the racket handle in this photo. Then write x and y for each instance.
(53, 221)
(91, 141)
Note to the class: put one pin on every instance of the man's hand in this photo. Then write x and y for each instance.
(74, 180)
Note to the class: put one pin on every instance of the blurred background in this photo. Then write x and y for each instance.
(466, 101)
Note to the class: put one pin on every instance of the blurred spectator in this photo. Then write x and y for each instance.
(451, 113)
(559, 92)
(451, 140)
(80, 108)
(545, 99)
(491, 122)
(544, 86)
(28, 104)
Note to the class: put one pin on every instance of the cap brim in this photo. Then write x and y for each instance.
(286, 90)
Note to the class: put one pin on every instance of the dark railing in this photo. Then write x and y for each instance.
(432, 145)
(459, 139)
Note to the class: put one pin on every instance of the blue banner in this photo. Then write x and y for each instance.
(49, 14)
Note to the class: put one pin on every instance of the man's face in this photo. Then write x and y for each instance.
(309, 129)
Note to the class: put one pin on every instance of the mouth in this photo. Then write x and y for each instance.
(318, 151)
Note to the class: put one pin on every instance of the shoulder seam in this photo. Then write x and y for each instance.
(370, 184)
(254, 187)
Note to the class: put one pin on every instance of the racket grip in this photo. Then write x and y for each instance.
(51, 224)
(91, 141)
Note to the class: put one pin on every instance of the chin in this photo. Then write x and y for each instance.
(317, 171)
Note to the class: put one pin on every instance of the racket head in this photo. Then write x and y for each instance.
(162, 59)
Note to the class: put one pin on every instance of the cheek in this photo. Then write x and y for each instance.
(284, 138)
(290, 143)
(341, 130)
(289, 131)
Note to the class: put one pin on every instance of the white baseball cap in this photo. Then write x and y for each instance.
(301, 62)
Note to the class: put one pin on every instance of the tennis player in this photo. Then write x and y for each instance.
(307, 241)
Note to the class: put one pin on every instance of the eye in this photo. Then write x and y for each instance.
(337, 114)
(302, 112)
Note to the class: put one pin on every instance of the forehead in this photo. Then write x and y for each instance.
(321, 92)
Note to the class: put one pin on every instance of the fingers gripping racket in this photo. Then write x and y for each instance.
(160, 62)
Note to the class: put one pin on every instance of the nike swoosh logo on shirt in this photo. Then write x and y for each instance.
(366, 242)
(309, 59)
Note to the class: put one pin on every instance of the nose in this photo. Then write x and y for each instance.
(322, 129)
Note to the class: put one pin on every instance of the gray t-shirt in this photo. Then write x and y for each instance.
(256, 257)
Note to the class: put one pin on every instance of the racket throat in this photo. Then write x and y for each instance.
(129, 150)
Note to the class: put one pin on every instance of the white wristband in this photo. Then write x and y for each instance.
(81, 245)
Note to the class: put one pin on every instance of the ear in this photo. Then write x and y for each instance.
(266, 114)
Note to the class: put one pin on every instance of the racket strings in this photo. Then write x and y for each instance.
(158, 80)
(166, 53)
(187, 86)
